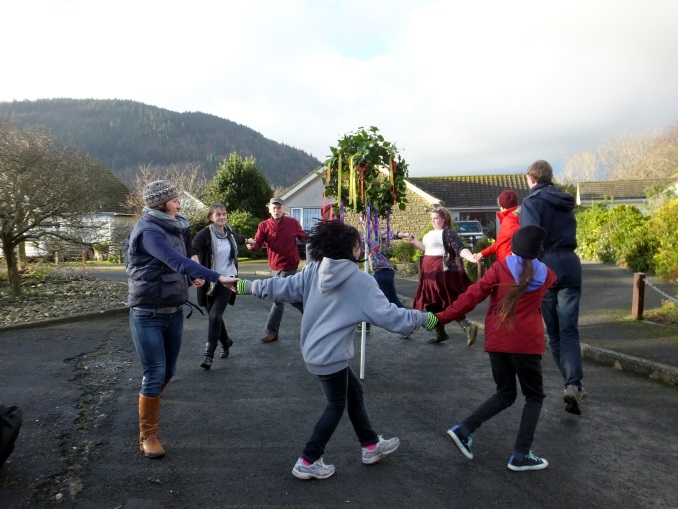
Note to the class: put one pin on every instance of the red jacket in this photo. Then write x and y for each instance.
(527, 334)
(280, 238)
(509, 222)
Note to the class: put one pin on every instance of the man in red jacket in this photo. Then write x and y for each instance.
(280, 234)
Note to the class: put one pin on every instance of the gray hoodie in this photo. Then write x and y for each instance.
(337, 296)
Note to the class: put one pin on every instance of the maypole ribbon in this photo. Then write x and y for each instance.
(351, 184)
(339, 181)
(390, 167)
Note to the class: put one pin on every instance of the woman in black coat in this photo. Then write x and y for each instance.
(216, 247)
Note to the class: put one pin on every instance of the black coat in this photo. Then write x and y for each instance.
(202, 248)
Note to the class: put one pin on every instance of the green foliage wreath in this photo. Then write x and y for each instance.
(353, 176)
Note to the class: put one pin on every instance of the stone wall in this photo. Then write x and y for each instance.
(414, 219)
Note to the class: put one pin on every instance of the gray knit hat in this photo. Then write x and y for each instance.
(159, 192)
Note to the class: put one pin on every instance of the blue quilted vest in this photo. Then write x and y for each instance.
(151, 283)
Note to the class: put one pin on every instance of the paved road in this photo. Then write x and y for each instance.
(233, 433)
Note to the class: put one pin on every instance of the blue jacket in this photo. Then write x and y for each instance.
(552, 209)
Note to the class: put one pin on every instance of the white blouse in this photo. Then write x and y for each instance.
(222, 263)
(433, 241)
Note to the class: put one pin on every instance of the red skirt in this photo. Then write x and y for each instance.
(437, 288)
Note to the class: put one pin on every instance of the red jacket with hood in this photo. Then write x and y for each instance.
(523, 334)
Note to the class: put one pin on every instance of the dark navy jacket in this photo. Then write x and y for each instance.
(552, 209)
(160, 278)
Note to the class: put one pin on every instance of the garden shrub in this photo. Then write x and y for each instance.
(664, 224)
(403, 251)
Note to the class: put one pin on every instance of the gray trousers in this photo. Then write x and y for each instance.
(276, 313)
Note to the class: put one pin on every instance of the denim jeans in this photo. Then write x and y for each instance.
(342, 389)
(386, 280)
(157, 339)
(276, 313)
(216, 330)
(560, 309)
(505, 368)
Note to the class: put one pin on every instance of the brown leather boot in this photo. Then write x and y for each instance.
(149, 408)
(471, 330)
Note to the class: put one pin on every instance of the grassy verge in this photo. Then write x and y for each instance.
(667, 314)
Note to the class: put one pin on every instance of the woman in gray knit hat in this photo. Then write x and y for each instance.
(159, 275)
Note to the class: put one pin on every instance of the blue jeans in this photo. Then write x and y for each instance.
(505, 368)
(276, 313)
(560, 309)
(386, 280)
(157, 339)
(342, 389)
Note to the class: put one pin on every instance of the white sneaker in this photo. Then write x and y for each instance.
(317, 470)
(573, 397)
(383, 448)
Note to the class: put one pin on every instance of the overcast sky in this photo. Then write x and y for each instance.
(461, 87)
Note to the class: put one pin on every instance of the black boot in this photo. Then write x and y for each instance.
(207, 362)
(225, 345)
(440, 336)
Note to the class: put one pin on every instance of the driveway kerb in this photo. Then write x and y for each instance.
(65, 319)
(654, 370)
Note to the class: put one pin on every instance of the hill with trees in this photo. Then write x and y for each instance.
(126, 135)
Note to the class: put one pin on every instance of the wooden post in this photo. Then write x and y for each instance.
(638, 296)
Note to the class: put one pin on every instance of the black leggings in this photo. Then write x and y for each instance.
(216, 330)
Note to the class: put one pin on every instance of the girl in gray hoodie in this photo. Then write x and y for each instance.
(328, 288)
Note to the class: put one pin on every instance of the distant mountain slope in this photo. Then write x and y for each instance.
(127, 134)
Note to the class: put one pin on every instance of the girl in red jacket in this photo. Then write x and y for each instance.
(509, 221)
(514, 340)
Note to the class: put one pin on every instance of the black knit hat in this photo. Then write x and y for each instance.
(527, 241)
(159, 192)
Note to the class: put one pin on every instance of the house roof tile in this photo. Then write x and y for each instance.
(474, 191)
(618, 189)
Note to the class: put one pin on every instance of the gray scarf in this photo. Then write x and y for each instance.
(177, 224)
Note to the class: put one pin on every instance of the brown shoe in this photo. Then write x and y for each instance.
(269, 338)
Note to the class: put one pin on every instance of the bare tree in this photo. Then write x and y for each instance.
(188, 179)
(627, 156)
(580, 167)
(39, 180)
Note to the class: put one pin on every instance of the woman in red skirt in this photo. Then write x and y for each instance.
(443, 277)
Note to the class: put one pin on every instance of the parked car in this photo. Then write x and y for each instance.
(470, 231)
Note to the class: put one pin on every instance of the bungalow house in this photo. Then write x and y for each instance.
(470, 197)
(620, 192)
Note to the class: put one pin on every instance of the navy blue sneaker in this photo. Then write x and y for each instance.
(531, 462)
(464, 444)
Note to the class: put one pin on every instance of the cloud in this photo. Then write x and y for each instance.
(460, 87)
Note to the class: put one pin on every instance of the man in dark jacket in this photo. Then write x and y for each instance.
(552, 209)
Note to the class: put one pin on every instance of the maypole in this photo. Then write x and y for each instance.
(366, 175)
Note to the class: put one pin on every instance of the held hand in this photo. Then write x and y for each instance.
(431, 322)
(228, 282)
